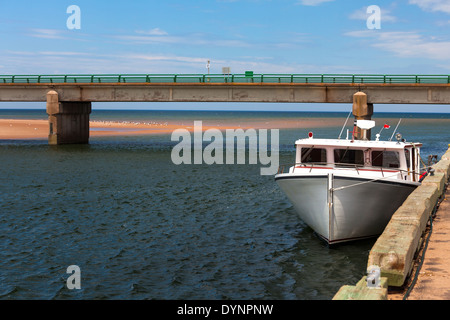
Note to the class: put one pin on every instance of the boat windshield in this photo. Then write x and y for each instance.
(316, 155)
(348, 156)
(386, 159)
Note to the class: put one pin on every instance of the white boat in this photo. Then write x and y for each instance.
(348, 189)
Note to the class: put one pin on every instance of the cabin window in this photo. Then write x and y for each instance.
(347, 156)
(314, 155)
(387, 159)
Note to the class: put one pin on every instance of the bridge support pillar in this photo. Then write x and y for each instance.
(68, 121)
(362, 111)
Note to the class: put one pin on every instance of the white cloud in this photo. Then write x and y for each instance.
(58, 34)
(443, 23)
(62, 53)
(361, 14)
(150, 39)
(313, 2)
(188, 39)
(287, 39)
(433, 5)
(444, 67)
(168, 58)
(153, 32)
(126, 62)
(47, 33)
(408, 44)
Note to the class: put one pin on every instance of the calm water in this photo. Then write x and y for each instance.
(140, 227)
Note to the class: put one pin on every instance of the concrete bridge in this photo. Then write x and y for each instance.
(69, 97)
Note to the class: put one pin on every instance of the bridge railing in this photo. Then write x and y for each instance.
(227, 78)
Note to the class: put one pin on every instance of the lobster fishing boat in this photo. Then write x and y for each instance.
(348, 189)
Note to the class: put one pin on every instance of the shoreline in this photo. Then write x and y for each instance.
(32, 129)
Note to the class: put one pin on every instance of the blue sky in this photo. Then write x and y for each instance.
(278, 36)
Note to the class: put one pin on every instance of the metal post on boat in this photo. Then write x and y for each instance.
(362, 111)
(330, 206)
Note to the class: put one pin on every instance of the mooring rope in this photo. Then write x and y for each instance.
(377, 179)
(364, 182)
(422, 259)
(419, 267)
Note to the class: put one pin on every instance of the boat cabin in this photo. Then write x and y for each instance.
(380, 157)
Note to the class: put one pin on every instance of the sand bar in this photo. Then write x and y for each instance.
(18, 129)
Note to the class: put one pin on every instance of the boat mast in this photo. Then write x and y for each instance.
(345, 123)
(395, 130)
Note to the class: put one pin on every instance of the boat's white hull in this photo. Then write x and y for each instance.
(344, 214)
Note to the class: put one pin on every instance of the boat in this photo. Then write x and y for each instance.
(348, 189)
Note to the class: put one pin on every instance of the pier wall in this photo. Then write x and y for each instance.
(68, 121)
(395, 249)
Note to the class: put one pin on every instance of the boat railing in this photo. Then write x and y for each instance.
(247, 77)
(318, 165)
(285, 168)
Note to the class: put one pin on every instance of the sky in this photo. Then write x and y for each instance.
(265, 36)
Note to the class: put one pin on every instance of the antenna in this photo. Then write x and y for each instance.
(395, 129)
(344, 124)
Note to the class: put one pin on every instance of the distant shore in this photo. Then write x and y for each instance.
(18, 129)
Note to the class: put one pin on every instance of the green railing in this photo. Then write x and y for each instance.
(248, 77)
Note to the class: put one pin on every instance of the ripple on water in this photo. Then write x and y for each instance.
(140, 227)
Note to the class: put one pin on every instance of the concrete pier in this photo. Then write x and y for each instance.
(361, 111)
(433, 282)
(68, 121)
(396, 250)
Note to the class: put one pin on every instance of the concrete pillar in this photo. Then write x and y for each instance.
(68, 121)
(362, 111)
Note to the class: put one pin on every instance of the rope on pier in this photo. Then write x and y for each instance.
(422, 259)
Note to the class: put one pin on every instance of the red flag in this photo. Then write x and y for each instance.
(386, 126)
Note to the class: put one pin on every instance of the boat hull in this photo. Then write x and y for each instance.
(343, 208)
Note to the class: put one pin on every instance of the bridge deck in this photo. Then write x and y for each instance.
(274, 88)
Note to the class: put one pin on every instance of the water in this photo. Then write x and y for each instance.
(140, 227)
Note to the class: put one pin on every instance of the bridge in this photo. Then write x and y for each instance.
(69, 97)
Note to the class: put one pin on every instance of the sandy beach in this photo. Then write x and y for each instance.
(15, 129)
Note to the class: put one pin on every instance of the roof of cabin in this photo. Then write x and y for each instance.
(344, 143)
